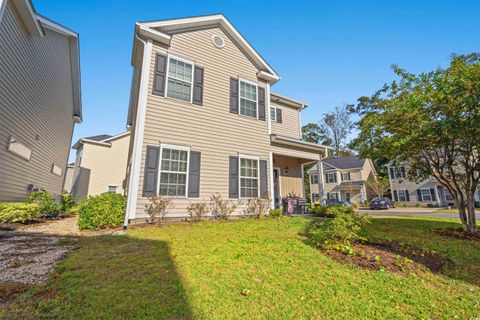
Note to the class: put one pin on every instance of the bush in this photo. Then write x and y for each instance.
(222, 208)
(258, 207)
(157, 208)
(198, 210)
(45, 201)
(103, 211)
(324, 211)
(18, 212)
(68, 202)
(340, 232)
(430, 205)
(275, 213)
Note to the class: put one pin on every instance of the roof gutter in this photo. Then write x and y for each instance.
(298, 143)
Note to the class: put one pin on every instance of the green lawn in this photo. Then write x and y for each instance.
(251, 269)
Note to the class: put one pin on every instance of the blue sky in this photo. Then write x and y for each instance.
(327, 52)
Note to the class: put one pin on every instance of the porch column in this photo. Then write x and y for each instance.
(320, 181)
(439, 201)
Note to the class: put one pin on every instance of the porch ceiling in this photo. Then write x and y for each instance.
(287, 146)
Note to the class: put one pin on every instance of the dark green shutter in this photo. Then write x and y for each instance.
(198, 86)
(263, 178)
(404, 174)
(392, 174)
(261, 103)
(279, 115)
(160, 75)
(151, 171)
(395, 195)
(194, 175)
(419, 195)
(233, 191)
(407, 194)
(432, 192)
(234, 95)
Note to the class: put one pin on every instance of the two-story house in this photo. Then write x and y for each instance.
(203, 119)
(344, 179)
(100, 165)
(40, 100)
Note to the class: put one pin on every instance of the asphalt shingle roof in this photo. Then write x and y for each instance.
(99, 137)
(345, 162)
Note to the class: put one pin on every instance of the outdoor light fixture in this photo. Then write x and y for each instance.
(285, 171)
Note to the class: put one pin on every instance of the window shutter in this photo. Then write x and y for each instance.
(349, 176)
(403, 172)
(233, 191)
(407, 195)
(419, 195)
(234, 95)
(261, 103)
(395, 195)
(328, 195)
(263, 178)
(326, 177)
(279, 115)
(151, 171)
(160, 75)
(392, 174)
(335, 177)
(194, 175)
(198, 86)
(432, 192)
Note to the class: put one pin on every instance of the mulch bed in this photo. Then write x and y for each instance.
(457, 233)
(393, 257)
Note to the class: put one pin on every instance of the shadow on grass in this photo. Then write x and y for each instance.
(108, 277)
(422, 233)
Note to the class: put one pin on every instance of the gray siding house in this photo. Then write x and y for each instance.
(39, 100)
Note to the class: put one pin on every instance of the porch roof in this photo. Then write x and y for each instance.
(287, 141)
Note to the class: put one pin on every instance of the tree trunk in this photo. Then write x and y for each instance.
(472, 219)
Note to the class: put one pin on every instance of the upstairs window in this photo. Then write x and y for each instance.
(346, 176)
(273, 114)
(314, 178)
(331, 177)
(248, 99)
(249, 178)
(173, 172)
(180, 78)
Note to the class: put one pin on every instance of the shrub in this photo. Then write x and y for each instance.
(258, 207)
(18, 212)
(45, 201)
(417, 205)
(157, 208)
(198, 210)
(355, 205)
(275, 213)
(340, 232)
(222, 208)
(103, 211)
(325, 211)
(430, 205)
(68, 202)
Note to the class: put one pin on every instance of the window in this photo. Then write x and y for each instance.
(348, 198)
(448, 196)
(273, 114)
(332, 196)
(173, 171)
(180, 77)
(248, 177)
(315, 197)
(331, 177)
(314, 178)
(112, 189)
(248, 99)
(402, 195)
(426, 195)
(346, 176)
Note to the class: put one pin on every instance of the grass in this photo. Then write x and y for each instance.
(452, 211)
(251, 269)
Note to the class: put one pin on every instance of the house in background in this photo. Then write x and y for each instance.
(344, 179)
(100, 165)
(39, 100)
(67, 186)
(203, 119)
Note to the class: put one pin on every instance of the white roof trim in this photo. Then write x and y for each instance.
(118, 136)
(286, 100)
(298, 143)
(222, 21)
(29, 17)
(49, 24)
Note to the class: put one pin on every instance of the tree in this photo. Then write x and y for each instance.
(313, 132)
(338, 125)
(431, 122)
(379, 185)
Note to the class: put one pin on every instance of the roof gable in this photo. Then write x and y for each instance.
(162, 31)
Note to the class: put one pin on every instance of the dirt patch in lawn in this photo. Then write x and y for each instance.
(457, 233)
(393, 257)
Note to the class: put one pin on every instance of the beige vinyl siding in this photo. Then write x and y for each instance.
(211, 128)
(412, 187)
(36, 107)
(290, 122)
(67, 186)
(291, 183)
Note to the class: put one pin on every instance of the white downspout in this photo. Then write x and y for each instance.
(139, 132)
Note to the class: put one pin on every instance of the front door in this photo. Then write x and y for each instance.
(276, 188)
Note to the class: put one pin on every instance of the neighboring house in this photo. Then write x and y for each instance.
(100, 165)
(426, 192)
(67, 186)
(343, 179)
(203, 119)
(39, 100)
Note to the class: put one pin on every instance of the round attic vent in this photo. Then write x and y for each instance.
(218, 41)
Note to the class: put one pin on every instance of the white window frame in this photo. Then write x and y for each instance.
(328, 177)
(240, 98)
(347, 174)
(447, 195)
(171, 56)
(240, 156)
(404, 195)
(312, 180)
(315, 197)
(112, 185)
(173, 147)
(275, 117)
(429, 195)
(335, 196)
